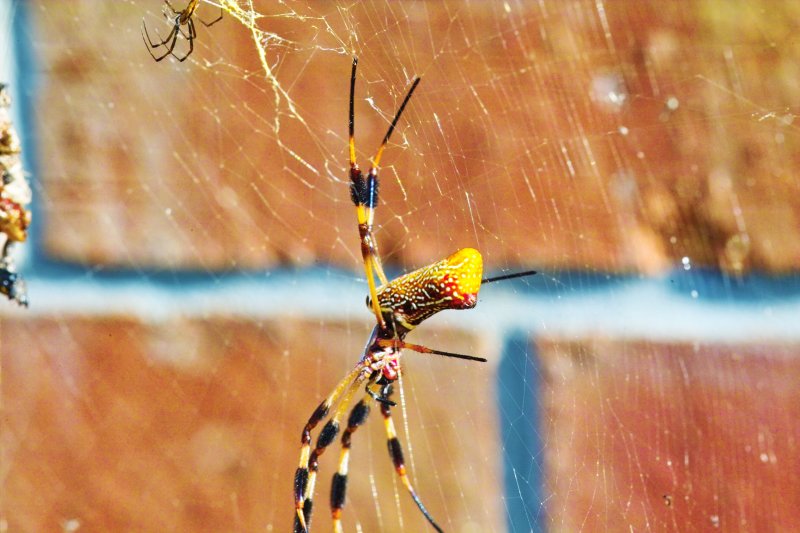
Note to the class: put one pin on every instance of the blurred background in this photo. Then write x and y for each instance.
(196, 288)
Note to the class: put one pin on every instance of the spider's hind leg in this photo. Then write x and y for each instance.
(396, 453)
(306, 474)
(357, 417)
(364, 194)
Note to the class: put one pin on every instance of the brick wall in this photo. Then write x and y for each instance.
(622, 154)
(194, 424)
(535, 135)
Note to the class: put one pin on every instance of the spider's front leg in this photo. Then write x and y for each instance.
(364, 193)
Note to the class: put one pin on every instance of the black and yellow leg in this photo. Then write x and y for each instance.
(303, 479)
(339, 484)
(371, 264)
(372, 182)
(369, 238)
(396, 453)
(364, 193)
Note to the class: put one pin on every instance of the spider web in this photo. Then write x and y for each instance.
(196, 284)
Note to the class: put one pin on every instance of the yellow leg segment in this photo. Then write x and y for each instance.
(339, 483)
(304, 481)
(396, 453)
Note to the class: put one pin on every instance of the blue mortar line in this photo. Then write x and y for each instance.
(523, 450)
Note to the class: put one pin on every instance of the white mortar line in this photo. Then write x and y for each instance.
(644, 309)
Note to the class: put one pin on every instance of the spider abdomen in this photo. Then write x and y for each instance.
(452, 283)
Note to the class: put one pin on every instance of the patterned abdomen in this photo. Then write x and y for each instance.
(452, 283)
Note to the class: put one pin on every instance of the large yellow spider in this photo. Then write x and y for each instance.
(399, 306)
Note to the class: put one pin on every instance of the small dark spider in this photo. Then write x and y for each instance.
(182, 18)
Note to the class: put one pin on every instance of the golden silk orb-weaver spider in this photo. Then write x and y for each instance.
(399, 306)
(181, 18)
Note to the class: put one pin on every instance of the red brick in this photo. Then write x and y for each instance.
(194, 425)
(510, 143)
(670, 437)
